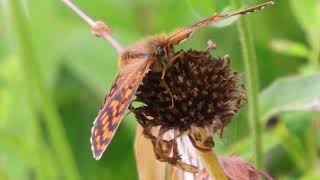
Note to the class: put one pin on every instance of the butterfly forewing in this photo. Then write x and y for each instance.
(115, 104)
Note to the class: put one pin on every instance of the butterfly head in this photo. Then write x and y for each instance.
(161, 51)
(156, 48)
(160, 47)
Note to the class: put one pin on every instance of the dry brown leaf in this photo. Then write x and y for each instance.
(148, 166)
(237, 168)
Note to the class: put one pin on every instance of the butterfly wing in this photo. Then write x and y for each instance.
(115, 104)
(180, 35)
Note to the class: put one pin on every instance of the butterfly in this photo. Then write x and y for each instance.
(154, 53)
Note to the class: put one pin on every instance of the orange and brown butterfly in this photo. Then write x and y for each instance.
(153, 53)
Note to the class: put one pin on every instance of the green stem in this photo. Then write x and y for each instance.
(252, 83)
(314, 56)
(44, 163)
(311, 144)
(212, 164)
(39, 91)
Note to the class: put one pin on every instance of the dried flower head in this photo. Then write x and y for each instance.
(206, 92)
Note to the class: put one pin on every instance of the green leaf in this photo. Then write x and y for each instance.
(16, 133)
(13, 157)
(307, 69)
(289, 133)
(299, 93)
(292, 145)
(313, 176)
(201, 9)
(290, 48)
(97, 65)
(43, 31)
(244, 149)
(34, 87)
(307, 13)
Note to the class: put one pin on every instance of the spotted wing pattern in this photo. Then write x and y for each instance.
(115, 104)
(180, 35)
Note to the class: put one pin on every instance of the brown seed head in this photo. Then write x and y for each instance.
(207, 93)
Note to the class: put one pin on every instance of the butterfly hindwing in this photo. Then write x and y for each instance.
(115, 105)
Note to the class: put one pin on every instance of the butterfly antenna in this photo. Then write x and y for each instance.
(181, 35)
(251, 9)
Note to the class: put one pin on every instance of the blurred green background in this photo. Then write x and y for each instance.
(54, 75)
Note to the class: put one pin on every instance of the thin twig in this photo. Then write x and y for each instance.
(98, 27)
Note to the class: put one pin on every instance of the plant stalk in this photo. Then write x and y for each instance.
(315, 54)
(38, 91)
(212, 164)
(311, 144)
(252, 83)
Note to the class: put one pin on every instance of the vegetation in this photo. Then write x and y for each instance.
(54, 75)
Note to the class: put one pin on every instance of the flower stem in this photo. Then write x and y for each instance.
(39, 92)
(311, 144)
(252, 83)
(212, 164)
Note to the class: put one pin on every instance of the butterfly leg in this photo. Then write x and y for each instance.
(165, 84)
(165, 66)
(168, 89)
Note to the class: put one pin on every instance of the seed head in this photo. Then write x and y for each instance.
(206, 93)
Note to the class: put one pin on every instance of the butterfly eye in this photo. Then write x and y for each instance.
(160, 51)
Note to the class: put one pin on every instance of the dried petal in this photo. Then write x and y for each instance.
(144, 153)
